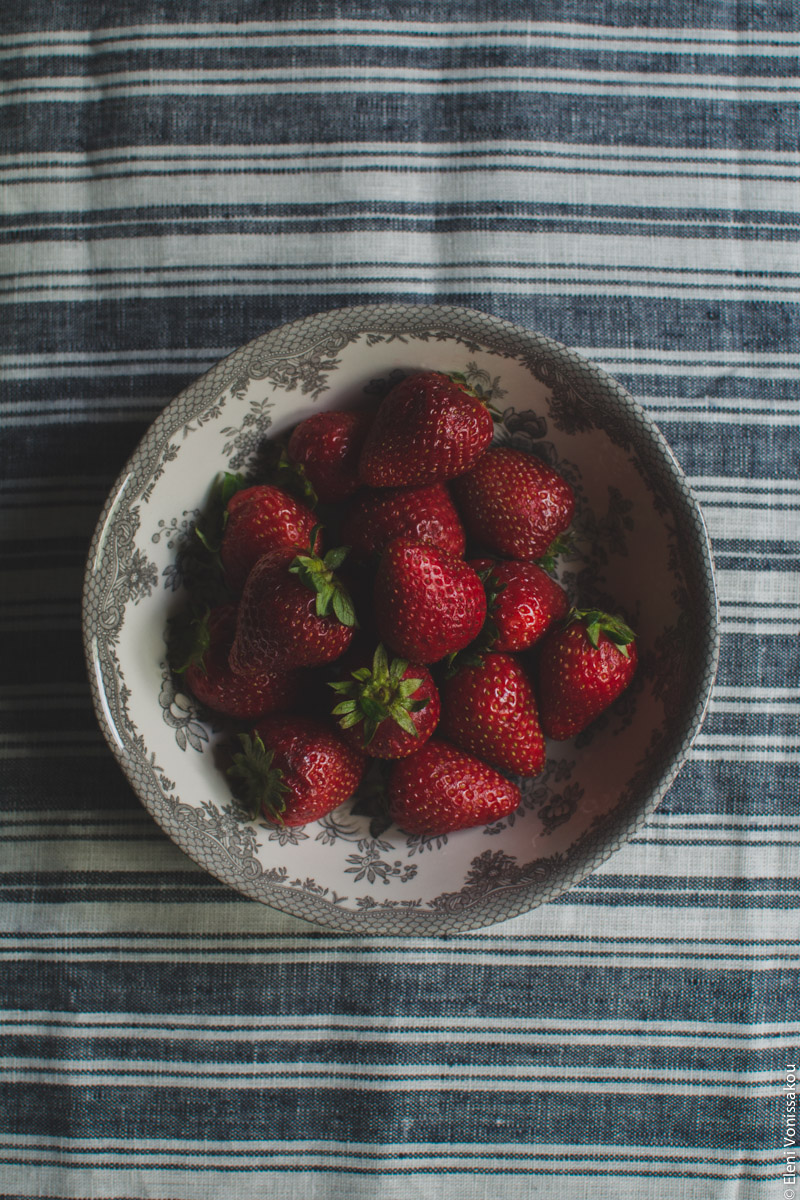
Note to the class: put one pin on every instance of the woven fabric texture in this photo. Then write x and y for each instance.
(621, 177)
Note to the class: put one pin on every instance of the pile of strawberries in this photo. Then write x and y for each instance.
(426, 635)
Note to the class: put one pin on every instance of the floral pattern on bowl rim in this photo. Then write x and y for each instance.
(640, 545)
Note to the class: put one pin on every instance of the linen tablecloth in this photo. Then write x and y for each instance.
(621, 177)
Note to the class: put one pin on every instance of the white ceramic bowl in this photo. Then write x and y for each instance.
(640, 543)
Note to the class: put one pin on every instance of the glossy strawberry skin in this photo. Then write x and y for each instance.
(319, 770)
(513, 503)
(441, 789)
(260, 519)
(426, 430)
(527, 602)
(215, 685)
(428, 603)
(327, 445)
(379, 515)
(578, 681)
(490, 710)
(277, 625)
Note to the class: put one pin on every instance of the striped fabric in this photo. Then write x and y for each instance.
(622, 177)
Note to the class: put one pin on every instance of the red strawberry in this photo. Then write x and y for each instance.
(513, 503)
(441, 789)
(378, 516)
(210, 679)
(489, 709)
(295, 769)
(389, 708)
(327, 446)
(428, 603)
(584, 663)
(427, 429)
(523, 602)
(259, 519)
(294, 612)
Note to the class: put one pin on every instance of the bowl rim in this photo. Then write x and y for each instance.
(502, 902)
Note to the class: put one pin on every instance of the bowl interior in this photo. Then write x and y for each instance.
(640, 547)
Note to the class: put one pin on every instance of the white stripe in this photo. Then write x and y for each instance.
(762, 1035)
(438, 155)
(753, 524)
(413, 1160)
(723, 926)
(403, 1077)
(369, 1151)
(125, 860)
(309, 81)
(698, 415)
(699, 754)
(738, 371)
(774, 491)
(742, 706)
(450, 1184)
(321, 32)
(744, 483)
(558, 181)
(644, 959)
(428, 284)
(180, 361)
(348, 251)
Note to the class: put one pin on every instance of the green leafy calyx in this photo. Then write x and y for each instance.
(563, 544)
(319, 574)
(260, 785)
(376, 694)
(188, 639)
(596, 622)
(211, 525)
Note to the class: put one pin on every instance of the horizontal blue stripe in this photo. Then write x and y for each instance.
(279, 1115)
(480, 54)
(280, 119)
(200, 320)
(735, 789)
(746, 16)
(562, 992)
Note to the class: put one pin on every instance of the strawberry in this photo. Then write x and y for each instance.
(441, 789)
(294, 612)
(513, 503)
(295, 769)
(523, 602)
(584, 663)
(378, 515)
(428, 603)
(327, 446)
(427, 429)
(210, 679)
(388, 709)
(489, 710)
(259, 519)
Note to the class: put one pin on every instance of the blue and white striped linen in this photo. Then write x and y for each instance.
(623, 177)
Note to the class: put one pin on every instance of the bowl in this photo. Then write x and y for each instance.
(640, 543)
